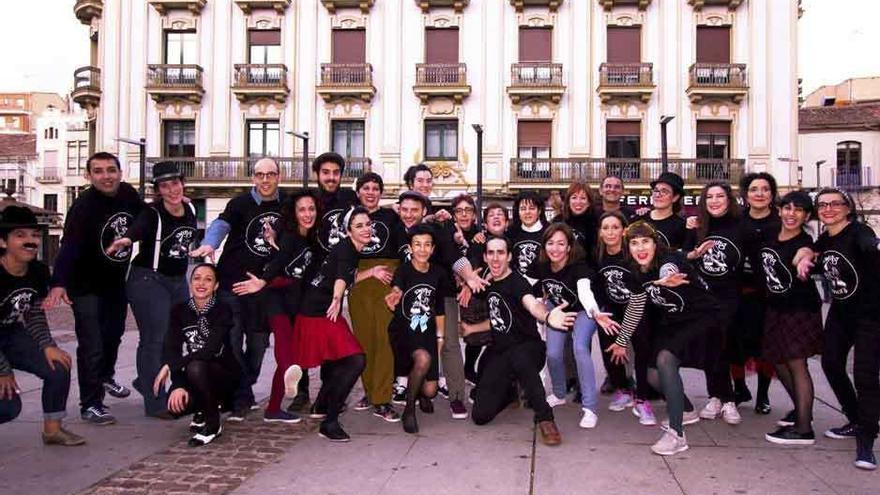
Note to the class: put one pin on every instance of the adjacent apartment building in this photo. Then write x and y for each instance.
(563, 89)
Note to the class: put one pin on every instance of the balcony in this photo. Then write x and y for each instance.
(341, 80)
(87, 88)
(610, 4)
(441, 80)
(253, 81)
(237, 170)
(728, 81)
(163, 6)
(364, 5)
(248, 6)
(626, 81)
(535, 80)
(167, 82)
(519, 5)
(457, 5)
(730, 4)
(558, 172)
(49, 175)
(86, 10)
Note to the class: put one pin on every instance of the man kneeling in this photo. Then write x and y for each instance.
(516, 348)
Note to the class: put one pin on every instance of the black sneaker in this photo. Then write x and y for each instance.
(97, 415)
(317, 412)
(116, 390)
(410, 423)
(333, 432)
(865, 454)
(238, 414)
(399, 396)
(788, 419)
(762, 406)
(787, 435)
(472, 395)
(844, 432)
(197, 422)
(386, 412)
(204, 437)
(300, 402)
(363, 404)
(443, 391)
(426, 405)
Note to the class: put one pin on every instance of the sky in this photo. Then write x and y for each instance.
(838, 40)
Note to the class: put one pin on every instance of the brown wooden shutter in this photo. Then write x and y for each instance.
(536, 133)
(713, 45)
(718, 127)
(624, 45)
(441, 46)
(349, 46)
(535, 45)
(623, 128)
(264, 37)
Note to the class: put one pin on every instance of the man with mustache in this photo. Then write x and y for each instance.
(93, 282)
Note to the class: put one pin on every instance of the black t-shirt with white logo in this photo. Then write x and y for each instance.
(850, 262)
(422, 298)
(526, 248)
(561, 286)
(721, 266)
(334, 205)
(614, 282)
(296, 258)
(783, 289)
(509, 321)
(672, 229)
(678, 304)
(383, 242)
(585, 228)
(340, 264)
(177, 236)
(247, 249)
(19, 294)
(761, 229)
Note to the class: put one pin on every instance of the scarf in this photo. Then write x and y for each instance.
(204, 329)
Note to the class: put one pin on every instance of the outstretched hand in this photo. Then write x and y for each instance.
(672, 280)
(618, 353)
(609, 326)
(559, 319)
(250, 286)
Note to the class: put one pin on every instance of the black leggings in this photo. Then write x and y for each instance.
(210, 385)
(337, 379)
(666, 378)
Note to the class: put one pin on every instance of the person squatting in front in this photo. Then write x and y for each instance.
(198, 358)
(516, 348)
(25, 341)
(416, 298)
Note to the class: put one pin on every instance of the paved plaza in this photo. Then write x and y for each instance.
(140, 455)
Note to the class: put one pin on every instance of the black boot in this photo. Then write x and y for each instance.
(410, 423)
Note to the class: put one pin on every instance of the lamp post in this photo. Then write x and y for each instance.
(305, 138)
(479, 130)
(142, 145)
(818, 168)
(664, 156)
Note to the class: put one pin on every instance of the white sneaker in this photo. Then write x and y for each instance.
(291, 380)
(643, 410)
(730, 414)
(712, 409)
(687, 418)
(670, 443)
(554, 401)
(589, 419)
(620, 401)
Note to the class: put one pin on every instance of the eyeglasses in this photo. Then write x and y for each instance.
(661, 192)
(462, 211)
(265, 175)
(831, 204)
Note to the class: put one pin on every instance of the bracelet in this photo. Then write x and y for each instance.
(441, 337)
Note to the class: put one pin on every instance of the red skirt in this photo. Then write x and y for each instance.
(316, 339)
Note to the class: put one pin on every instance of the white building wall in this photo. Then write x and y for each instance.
(818, 146)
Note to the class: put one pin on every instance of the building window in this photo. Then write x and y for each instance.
(441, 46)
(713, 146)
(535, 55)
(441, 140)
(348, 138)
(263, 138)
(50, 133)
(71, 193)
(349, 46)
(622, 141)
(77, 155)
(713, 55)
(849, 164)
(50, 202)
(180, 138)
(181, 48)
(9, 185)
(533, 148)
(264, 47)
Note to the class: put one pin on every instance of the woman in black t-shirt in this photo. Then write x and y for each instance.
(157, 277)
(849, 259)
(793, 321)
(579, 213)
(526, 231)
(322, 337)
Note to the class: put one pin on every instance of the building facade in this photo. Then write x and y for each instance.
(19, 111)
(563, 89)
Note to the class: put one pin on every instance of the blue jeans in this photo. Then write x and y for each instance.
(247, 318)
(152, 295)
(99, 321)
(24, 354)
(582, 333)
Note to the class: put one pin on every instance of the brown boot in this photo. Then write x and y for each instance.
(549, 433)
(63, 437)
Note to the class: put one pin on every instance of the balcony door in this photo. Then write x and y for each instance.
(713, 55)
(623, 140)
(534, 138)
(536, 51)
(349, 46)
(713, 149)
(624, 54)
(264, 47)
(179, 138)
(849, 164)
(181, 48)
(441, 56)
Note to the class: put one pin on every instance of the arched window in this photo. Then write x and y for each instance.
(849, 163)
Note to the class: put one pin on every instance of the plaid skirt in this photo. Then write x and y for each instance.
(791, 335)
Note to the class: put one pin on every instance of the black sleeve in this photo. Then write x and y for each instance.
(690, 240)
(346, 263)
(144, 226)
(72, 241)
(220, 320)
(172, 354)
(232, 213)
(597, 284)
(449, 252)
(279, 259)
(867, 245)
(399, 277)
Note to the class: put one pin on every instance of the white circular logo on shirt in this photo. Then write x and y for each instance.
(416, 306)
(615, 286)
(297, 267)
(721, 258)
(16, 304)
(255, 233)
(667, 299)
(114, 229)
(558, 293)
(332, 230)
(843, 279)
(378, 238)
(500, 316)
(526, 254)
(776, 273)
(176, 245)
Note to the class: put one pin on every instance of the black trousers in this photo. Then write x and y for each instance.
(99, 322)
(522, 362)
(861, 404)
(719, 383)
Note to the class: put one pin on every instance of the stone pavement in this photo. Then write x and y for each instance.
(140, 455)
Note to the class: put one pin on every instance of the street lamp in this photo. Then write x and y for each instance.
(142, 145)
(664, 156)
(479, 130)
(818, 167)
(305, 138)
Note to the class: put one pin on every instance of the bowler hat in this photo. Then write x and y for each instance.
(674, 180)
(18, 217)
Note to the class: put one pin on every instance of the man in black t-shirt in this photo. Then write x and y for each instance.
(248, 223)
(335, 200)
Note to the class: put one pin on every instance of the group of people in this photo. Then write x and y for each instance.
(717, 291)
